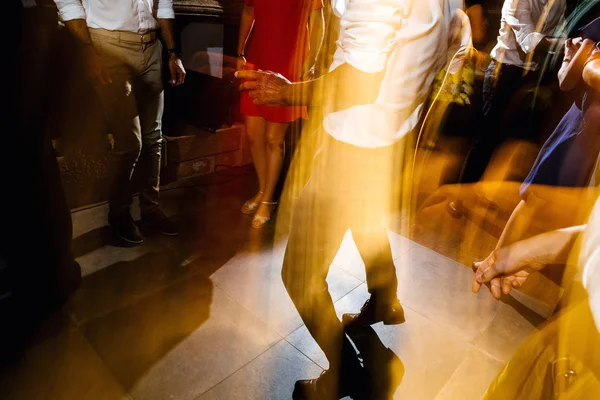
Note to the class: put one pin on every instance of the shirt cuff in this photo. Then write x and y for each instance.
(71, 12)
(531, 41)
(591, 282)
(165, 13)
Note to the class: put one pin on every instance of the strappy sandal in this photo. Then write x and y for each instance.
(259, 221)
(250, 206)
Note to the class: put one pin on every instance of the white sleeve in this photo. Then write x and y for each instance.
(519, 19)
(70, 9)
(368, 32)
(165, 9)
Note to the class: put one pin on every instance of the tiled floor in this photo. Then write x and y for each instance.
(205, 316)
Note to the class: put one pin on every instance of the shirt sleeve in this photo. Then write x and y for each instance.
(70, 9)
(165, 9)
(420, 53)
(519, 19)
(368, 31)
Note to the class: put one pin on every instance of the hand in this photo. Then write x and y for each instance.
(94, 70)
(507, 268)
(240, 63)
(571, 47)
(266, 88)
(177, 71)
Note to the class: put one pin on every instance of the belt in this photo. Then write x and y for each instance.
(126, 36)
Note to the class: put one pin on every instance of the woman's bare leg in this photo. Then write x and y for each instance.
(256, 129)
(275, 144)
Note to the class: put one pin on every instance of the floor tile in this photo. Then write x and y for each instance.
(304, 342)
(271, 376)
(427, 353)
(440, 289)
(348, 258)
(472, 378)
(254, 280)
(125, 282)
(63, 367)
(506, 332)
(179, 342)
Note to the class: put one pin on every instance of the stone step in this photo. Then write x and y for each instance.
(85, 173)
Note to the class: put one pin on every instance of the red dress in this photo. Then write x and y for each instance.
(279, 43)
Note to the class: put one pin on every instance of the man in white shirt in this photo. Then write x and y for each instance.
(123, 59)
(530, 30)
(388, 53)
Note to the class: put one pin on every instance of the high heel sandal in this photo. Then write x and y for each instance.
(259, 221)
(250, 206)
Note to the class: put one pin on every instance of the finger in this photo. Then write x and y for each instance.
(495, 288)
(516, 284)
(506, 286)
(475, 286)
(246, 74)
(181, 77)
(490, 268)
(249, 86)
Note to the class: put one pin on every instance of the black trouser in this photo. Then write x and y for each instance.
(350, 188)
(501, 83)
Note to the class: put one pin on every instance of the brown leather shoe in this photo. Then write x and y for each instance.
(371, 313)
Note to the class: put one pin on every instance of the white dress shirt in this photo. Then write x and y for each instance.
(524, 24)
(139, 16)
(408, 39)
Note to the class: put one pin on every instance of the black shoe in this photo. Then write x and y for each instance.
(124, 228)
(352, 381)
(160, 222)
(371, 313)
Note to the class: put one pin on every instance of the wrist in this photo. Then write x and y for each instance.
(290, 92)
(174, 53)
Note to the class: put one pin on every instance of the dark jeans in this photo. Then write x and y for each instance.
(501, 83)
(350, 188)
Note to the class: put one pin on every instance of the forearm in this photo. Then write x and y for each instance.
(547, 248)
(167, 31)
(571, 71)
(477, 19)
(79, 30)
(246, 24)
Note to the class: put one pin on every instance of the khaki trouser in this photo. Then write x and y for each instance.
(133, 105)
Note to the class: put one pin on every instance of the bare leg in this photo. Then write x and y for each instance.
(275, 144)
(256, 131)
